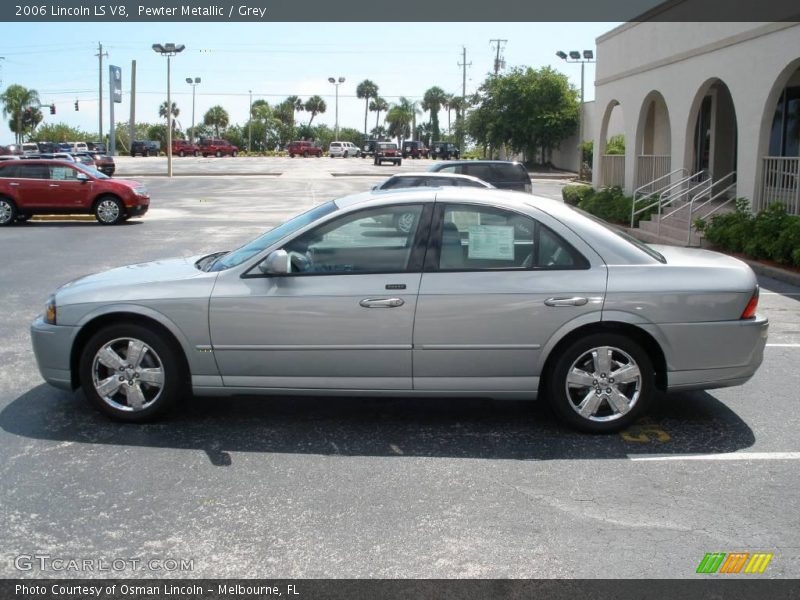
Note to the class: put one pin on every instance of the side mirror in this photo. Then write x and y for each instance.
(82, 177)
(277, 263)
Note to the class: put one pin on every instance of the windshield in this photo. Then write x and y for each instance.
(259, 244)
(628, 238)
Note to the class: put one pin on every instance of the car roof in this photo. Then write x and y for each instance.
(477, 162)
(436, 174)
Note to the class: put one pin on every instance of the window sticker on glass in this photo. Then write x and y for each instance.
(60, 173)
(495, 242)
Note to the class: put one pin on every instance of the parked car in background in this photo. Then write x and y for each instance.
(64, 147)
(444, 150)
(145, 147)
(185, 148)
(387, 152)
(415, 149)
(343, 149)
(30, 148)
(488, 294)
(67, 156)
(304, 149)
(428, 179)
(104, 163)
(9, 157)
(11, 149)
(368, 148)
(49, 147)
(217, 147)
(503, 174)
(84, 158)
(97, 147)
(29, 187)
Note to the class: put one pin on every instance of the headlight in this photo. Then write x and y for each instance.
(50, 310)
(140, 190)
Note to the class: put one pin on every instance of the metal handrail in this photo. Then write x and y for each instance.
(669, 175)
(711, 199)
(661, 193)
(705, 183)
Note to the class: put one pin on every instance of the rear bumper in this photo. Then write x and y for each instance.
(712, 355)
(52, 345)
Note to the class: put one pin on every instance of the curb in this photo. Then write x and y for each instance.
(123, 175)
(783, 275)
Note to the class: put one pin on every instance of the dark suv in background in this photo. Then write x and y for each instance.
(414, 150)
(145, 148)
(503, 174)
(445, 150)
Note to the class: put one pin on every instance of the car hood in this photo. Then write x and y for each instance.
(133, 281)
(131, 183)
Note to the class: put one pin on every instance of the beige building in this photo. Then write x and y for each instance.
(713, 101)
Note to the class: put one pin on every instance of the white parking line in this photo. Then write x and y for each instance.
(780, 293)
(726, 456)
(783, 345)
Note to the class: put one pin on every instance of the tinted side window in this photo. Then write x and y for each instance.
(481, 171)
(33, 172)
(377, 240)
(8, 170)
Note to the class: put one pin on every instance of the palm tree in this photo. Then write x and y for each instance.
(162, 112)
(216, 117)
(16, 99)
(366, 90)
(316, 106)
(448, 104)
(432, 101)
(378, 105)
(400, 117)
(296, 104)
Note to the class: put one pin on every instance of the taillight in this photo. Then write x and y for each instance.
(752, 305)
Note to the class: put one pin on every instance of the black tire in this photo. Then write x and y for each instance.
(399, 162)
(181, 154)
(161, 353)
(8, 211)
(305, 154)
(623, 351)
(291, 155)
(106, 213)
(196, 153)
(234, 153)
(133, 154)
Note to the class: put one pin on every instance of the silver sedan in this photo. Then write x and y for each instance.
(486, 293)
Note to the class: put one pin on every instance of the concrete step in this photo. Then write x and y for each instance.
(651, 238)
(666, 230)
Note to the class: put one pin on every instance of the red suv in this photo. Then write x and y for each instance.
(217, 148)
(304, 149)
(185, 148)
(29, 187)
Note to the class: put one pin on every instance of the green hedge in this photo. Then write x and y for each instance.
(771, 234)
(574, 193)
(611, 204)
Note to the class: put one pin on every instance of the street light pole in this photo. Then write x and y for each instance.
(336, 84)
(193, 83)
(169, 50)
(575, 57)
(250, 122)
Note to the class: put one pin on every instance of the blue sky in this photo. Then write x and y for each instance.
(273, 60)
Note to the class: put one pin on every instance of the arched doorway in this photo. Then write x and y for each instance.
(711, 132)
(653, 140)
(780, 168)
(610, 151)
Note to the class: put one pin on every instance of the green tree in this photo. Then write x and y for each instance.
(616, 144)
(16, 99)
(162, 112)
(525, 109)
(216, 117)
(316, 106)
(366, 90)
(378, 105)
(60, 132)
(432, 101)
(122, 130)
(158, 132)
(265, 125)
(400, 118)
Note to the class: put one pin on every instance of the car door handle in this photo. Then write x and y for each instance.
(54, 185)
(574, 301)
(14, 183)
(381, 302)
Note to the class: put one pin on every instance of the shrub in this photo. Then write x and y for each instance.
(611, 204)
(573, 194)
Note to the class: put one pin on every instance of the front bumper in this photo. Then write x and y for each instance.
(52, 346)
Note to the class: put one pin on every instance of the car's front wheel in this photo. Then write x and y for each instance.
(109, 211)
(601, 383)
(130, 372)
(234, 153)
(8, 211)
(181, 153)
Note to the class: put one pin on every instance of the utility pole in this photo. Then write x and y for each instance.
(100, 54)
(464, 64)
(2, 58)
(499, 63)
(132, 122)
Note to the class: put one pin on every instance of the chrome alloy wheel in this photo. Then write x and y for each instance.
(603, 384)
(127, 374)
(108, 211)
(6, 211)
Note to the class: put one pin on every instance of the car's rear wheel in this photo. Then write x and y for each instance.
(8, 211)
(601, 383)
(130, 372)
(218, 154)
(146, 153)
(109, 211)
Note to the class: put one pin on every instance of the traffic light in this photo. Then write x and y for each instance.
(52, 109)
(76, 105)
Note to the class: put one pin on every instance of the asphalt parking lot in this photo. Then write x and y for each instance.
(394, 488)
